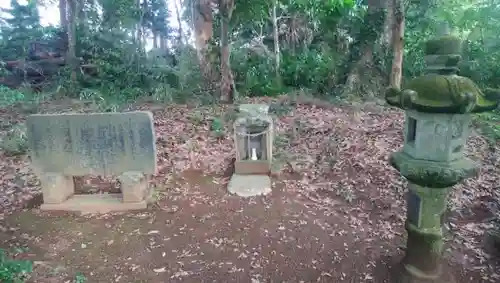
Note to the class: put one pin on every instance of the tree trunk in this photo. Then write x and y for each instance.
(179, 22)
(227, 87)
(277, 54)
(71, 55)
(360, 59)
(63, 14)
(386, 37)
(397, 43)
(163, 43)
(80, 14)
(138, 26)
(155, 39)
(202, 19)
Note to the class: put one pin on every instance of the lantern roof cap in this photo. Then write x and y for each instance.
(441, 90)
(453, 94)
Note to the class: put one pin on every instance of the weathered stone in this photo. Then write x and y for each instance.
(253, 138)
(435, 137)
(437, 107)
(56, 187)
(98, 144)
(426, 207)
(443, 45)
(441, 90)
(431, 173)
(67, 145)
(99, 203)
(134, 186)
(254, 109)
(250, 133)
(249, 185)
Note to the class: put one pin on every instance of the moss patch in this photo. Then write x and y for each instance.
(442, 93)
(443, 45)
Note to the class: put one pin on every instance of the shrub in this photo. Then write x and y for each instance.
(15, 142)
(13, 271)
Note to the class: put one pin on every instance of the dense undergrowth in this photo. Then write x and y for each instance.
(13, 270)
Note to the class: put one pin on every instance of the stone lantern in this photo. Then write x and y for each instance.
(253, 139)
(438, 108)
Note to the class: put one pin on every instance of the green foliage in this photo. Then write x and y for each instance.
(13, 271)
(489, 124)
(18, 30)
(475, 22)
(312, 69)
(9, 96)
(217, 127)
(80, 278)
(254, 74)
(315, 40)
(15, 141)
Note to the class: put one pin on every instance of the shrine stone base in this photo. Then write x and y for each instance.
(95, 203)
(249, 185)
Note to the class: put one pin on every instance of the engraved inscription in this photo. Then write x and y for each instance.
(456, 129)
(414, 206)
(104, 143)
(440, 129)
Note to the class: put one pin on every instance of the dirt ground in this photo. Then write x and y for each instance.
(305, 231)
(198, 233)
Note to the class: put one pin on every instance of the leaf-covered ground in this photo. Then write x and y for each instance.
(335, 215)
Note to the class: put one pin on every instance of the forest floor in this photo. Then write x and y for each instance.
(336, 212)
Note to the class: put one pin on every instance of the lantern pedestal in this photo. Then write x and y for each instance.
(249, 185)
(429, 184)
(400, 275)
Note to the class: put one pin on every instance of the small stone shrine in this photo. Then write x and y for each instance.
(67, 145)
(253, 138)
(438, 107)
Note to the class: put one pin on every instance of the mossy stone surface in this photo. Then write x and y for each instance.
(433, 174)
(442, 94)
(442, 45)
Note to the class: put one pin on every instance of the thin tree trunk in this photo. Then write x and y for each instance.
(155, 39)
(179, 22)
(227, 80)
(202, 19)
(163, 43)
(71, 55)
(387, 36)
(80, 14)
(277, 53)
(138, 27)
(397, 43)
(63, 14)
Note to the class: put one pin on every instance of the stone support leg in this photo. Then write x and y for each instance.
(493, 237)
(134, 186)
(426, 209)
(56, 187)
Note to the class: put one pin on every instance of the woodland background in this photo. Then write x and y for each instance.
(220, 50)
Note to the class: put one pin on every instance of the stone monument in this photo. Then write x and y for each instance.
(253, 138)
(438, 107)
(67, 145)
